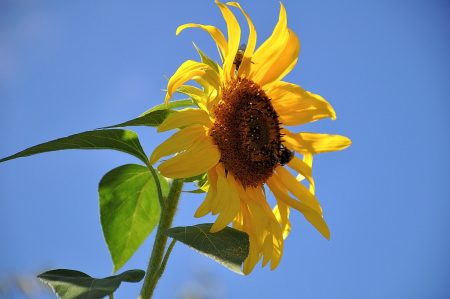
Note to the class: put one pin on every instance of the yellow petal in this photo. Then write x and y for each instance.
(276, 54)
(216, 202)
(267, 250)
(314, 143)
(282, 62)
(296, 106)
(199, 158)
(304, 169)
(308, 159)
(215, 33)
(277, 251)
(205, 207)
(310, 214)
(244, 68)
(281, 212)
(234, 36)
(209, 80)
(253, 256)
(229, 202)
(178, 142)
(187, 71)
(185, 117)
(196, 94)
(297, 189)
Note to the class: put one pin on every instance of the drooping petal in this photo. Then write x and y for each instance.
(253, 256)
(314, 143)
(304, 169)
(234, 36)
(296, 106)
(215, 33)
(281, 212)
(244, 68)
(277, 253)
(308, 159)
(199, 158)
(178, 142)
(229, 202)
(205, 207)
(185, 117)
(268, 228)
(267, 250)
(310, 214)
(297, 189)
(187, 71)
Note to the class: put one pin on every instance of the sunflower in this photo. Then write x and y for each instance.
(238, 135)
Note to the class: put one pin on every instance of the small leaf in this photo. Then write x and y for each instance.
(72, 284)
(228, 247)
(171, 105)
(121, 140)
(196, 191)
(129, 209)
(151, 119)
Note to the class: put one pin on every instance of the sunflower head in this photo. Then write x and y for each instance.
(238, 135)
(247, 132)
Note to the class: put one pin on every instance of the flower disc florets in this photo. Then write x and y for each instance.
(247, 132)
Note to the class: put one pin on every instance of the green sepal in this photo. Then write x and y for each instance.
(229, 247)
(121, 140)
(196, 191)
(72, 284)
(151, 119)
(206, 60)
(195, 178)
(154, 116)
(171, 105)
(129, 209)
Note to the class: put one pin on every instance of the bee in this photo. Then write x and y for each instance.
(285, 156)
(239, 56)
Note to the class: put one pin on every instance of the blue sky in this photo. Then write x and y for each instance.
(71, 66)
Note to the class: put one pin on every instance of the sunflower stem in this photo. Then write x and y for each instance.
(165, 259)
(158, 260)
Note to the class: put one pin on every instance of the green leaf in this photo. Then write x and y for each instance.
(129, 209)
(120, 140)
(151, 119)
(72, 284)
(228, 247)
(170, 105)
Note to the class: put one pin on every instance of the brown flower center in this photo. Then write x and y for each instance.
(247, 132)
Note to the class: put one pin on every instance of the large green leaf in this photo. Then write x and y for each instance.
(72, 284)
(120, 140)
(129, 209)
(228, 247)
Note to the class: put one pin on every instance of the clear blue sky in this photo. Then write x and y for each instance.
(71, 66)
